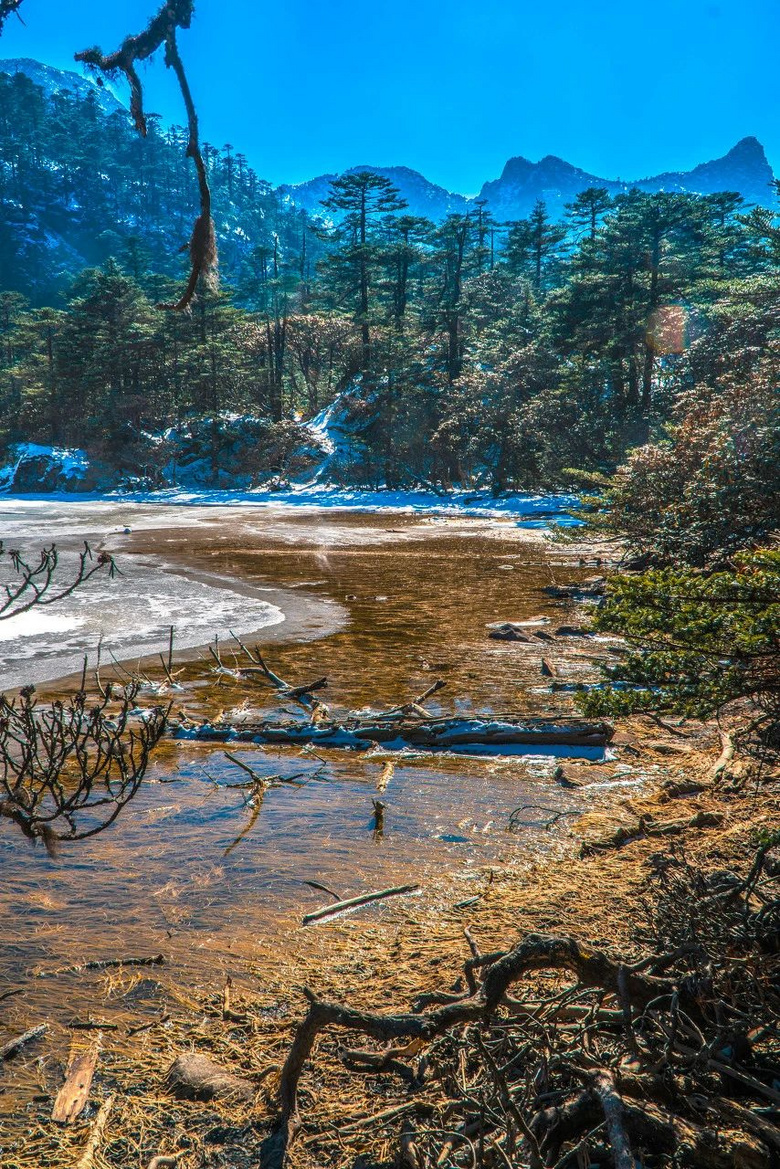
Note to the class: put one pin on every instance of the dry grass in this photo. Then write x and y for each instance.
(381, 963)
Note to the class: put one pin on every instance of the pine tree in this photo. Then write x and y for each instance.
(362, 197)
(534, 244)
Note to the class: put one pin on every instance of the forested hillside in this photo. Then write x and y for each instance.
(476, 352)
(78, 185)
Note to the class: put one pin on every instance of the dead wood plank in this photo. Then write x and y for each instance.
(15, 1045)
(74, 1093)
(354, 902)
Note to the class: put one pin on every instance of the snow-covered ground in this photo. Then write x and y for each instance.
(130, 615)
(529, 510)
(127, 617)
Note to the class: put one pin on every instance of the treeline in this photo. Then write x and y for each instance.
(476, 352)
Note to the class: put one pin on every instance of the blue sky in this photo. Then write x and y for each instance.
(453, 88)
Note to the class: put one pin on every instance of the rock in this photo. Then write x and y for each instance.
(571, 631)
(662, 747)
(595, 586)
(508, 632)
(196, 1077)
(560, 776)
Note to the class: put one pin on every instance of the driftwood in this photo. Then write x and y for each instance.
(14, 1046)
(196, 1077)
(646, 826)
(102, 964)
(74, 1093)
(87, 1158)
(354, 902)
(442, 734)
(302, 694)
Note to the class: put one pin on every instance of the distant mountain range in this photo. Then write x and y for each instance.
(511, 196)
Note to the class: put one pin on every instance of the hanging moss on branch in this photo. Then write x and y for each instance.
(161, 31)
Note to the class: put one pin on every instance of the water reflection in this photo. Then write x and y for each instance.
(203, 870)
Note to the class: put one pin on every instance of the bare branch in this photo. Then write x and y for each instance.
(161, 31)
(67, 769)
(38, 583)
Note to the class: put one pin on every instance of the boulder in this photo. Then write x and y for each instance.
(197, 1077)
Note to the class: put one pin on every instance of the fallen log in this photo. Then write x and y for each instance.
(354, 902)
(8, 1050)
(443, 734)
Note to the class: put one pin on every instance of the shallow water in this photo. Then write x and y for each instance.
(382, 605)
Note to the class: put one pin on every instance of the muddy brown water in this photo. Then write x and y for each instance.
(189, 869)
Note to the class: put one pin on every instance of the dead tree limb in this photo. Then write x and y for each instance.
(40, 582)
(355, 902)
(87, 1158)
(609, 1098)
(161, 31)
(592, 1056)
(14, 1046)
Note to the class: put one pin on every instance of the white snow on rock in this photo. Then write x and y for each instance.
(326, 450)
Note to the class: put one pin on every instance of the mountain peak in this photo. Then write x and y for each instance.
(423, 197)
(748, 148)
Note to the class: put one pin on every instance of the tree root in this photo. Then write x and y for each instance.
(629, 1061)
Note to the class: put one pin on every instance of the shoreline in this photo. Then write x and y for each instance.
(328, 497)
(382, 962)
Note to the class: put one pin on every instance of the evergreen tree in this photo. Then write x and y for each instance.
(534, 245)
(362, 197)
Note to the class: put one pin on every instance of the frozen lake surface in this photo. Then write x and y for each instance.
(128, 616)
